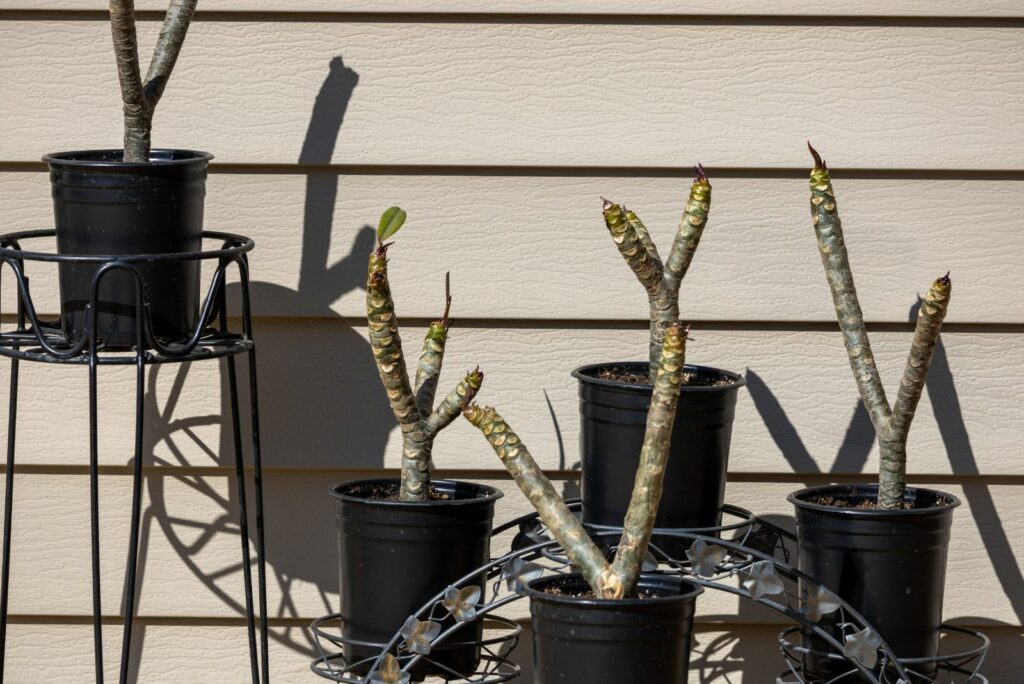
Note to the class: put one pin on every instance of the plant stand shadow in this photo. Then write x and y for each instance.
(37, 341)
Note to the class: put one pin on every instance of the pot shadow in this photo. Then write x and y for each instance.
(570, 485)
(312, 372)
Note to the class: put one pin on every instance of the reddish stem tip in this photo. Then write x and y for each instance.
(945, 279)
(701, 175)
(608, 204)
(819, 163)
(447, 298)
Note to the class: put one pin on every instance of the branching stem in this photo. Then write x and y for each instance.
(661, 280)
(419, 422)
(891, 424)
(619, 578)
(140, 98)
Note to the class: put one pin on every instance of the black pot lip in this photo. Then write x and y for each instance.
(694, 591)
(109, 158)
(581, 373)
(488, 494)
(869, 489)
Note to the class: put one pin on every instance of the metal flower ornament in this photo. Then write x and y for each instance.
(390, 672)
(419, 634)
(461, 603)
(761, 580)
(517, 573)
(818, 602)
(704, 558)
(863, 646)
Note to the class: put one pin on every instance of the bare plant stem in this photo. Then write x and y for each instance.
(619, 578)
(650, 474)
(891, 424)
(418, 421)
(140, 98)
(661, 280)
(567, 530)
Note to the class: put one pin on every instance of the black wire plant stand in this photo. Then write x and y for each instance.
(39, 341)
(754, 564)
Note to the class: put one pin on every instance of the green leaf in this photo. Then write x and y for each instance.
(390, 221)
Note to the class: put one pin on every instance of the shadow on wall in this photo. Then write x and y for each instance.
(312, 409)
(318, 415)
(326, 408)
(851, 457)
(734, 647)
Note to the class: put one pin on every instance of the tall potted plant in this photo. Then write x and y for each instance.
(881, 547)
(400, 539)
(614, 397)
(609, 622)
(134, 200)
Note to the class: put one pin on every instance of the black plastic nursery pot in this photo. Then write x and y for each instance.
(395, 555)
(638, 640)
(890, 566)
(105, 206)
(613, 417)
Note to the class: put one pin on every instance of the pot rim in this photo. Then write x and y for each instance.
(796, 499)
(695, 590)
(74, 158)
(490, 494)
(580, 373)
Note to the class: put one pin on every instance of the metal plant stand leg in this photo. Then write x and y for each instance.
(94, 520)
(12, 415)
(211, 339)
(257, 463)
(260, 544)
(133, 542)
(12, 422)
(243, 515)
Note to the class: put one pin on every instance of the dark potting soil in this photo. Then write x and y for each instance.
(390, 492)
(588, 593)
(628, 375)
(862, 504)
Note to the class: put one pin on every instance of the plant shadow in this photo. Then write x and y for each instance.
(851, 458)
(320, 408)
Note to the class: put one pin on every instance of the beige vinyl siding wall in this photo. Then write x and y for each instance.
(497, 132)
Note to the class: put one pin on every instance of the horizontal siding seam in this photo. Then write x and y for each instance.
(723, 325)
(795, 478)
(578, 171)
(29, 13)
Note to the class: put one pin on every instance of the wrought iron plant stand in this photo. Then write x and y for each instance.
(753, 563)
(34, 340)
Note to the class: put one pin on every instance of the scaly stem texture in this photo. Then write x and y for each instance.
(567, 530)
(619, 578)
(140, 98)
(419, 423)
(650, 474)
(661, 280)
(891, 424)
